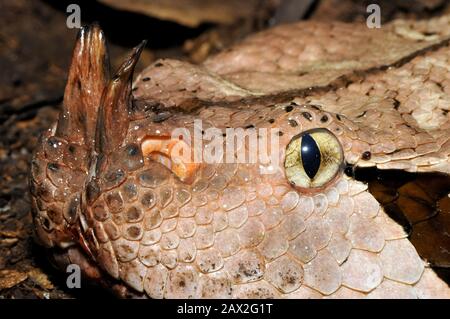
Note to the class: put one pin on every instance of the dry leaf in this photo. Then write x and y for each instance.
(8, 241)
(10, 278)
(10, 233)
(41, 279)
(190, 12)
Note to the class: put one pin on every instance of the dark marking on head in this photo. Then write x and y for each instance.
(292, 122)
(146, 79)
(366, 155)
(338, 117)
(396, 104)
(361, 115)
(159, 64)
(307, 116)
(289, 108)
(271, 121)
(324, 118)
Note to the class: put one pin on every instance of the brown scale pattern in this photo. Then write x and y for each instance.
(233, 237)
(289, 58)
(234, 232)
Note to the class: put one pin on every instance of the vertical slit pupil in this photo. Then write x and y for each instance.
(310, 154)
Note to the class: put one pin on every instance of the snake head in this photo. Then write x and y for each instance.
(115, 172)
(175, 196)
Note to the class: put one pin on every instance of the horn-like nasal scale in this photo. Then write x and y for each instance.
(88, 76)
(113, 118)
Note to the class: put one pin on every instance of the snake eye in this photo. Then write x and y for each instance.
(313, 158)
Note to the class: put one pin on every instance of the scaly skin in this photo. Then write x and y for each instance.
(228, 231)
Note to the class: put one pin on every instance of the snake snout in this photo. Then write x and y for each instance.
(58, 174)
(91, 127)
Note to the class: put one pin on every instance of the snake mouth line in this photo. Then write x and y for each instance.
(419, 202)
